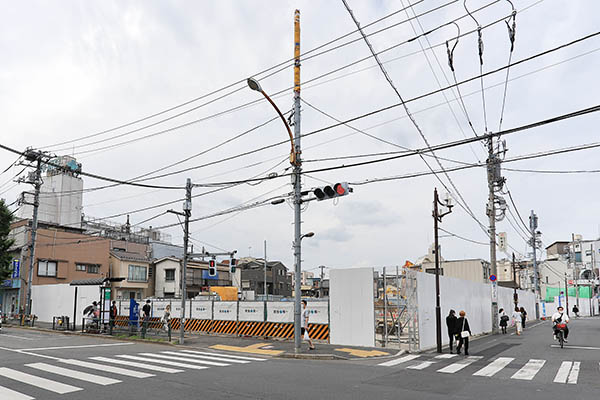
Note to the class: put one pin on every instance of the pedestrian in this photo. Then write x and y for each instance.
(503, 320)
(516, 320)
(576, 310)
(304, 325)
(463, 332)
(451, 325)
(146, 310)
(113, 315)
(167, 318)
(523, 316)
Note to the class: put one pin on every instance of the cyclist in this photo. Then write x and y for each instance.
(560, 317)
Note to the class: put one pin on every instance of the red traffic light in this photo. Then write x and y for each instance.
(339, 189)
(211, 263)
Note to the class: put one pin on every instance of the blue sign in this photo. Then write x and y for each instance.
(134, 312)
(6, 283)
(206, 275)
(493, 278)
(16, 268)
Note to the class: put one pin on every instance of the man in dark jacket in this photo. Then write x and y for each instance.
(463, 329)
(451, 324)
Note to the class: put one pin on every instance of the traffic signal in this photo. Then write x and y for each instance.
(332, 191)
(233, 264)
(212, 268)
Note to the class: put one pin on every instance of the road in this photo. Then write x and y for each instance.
(48, 366)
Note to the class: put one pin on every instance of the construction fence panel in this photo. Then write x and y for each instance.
(225, 310)
(318, 312)
(251, 311)
(280, 311)
(201, 309)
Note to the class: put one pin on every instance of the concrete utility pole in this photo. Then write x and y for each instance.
(297, 183)
(322, 267)
(533, 224)
(266, 292)
(37, 184)
(576, 269)
(492, 166)
(514, 268)
(567, 293)
(187, 212)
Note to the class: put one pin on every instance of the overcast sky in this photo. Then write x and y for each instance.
(75, 68)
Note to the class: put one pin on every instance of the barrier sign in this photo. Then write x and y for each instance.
(202, 310)
(280, 311)
(225, 310)
(318, 312)
(251, 311)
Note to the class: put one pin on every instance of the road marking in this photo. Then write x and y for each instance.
(400, 360)
(75, 347)
(574, 374)
(42, 383)
(421, 365)
(107, 368)
(253, 348)
(18, 337)
(231, 360)
(363, 353)
(224, 355)
(529, 370)
(446, 356)
(457, 366)
(7, 394)
(137, 365)
(175, 358)
(83, 376)
(494, 367)
(563, 372)
(576, 347)
(164, 362)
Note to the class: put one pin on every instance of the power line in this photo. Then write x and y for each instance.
(463, 238)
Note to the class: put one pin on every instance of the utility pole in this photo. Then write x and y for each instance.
(567, 293)
(437, 218)
(514, 268)
(494, 180)
(576, 269)
(187, 212)
(533, 224)
(297, 183)
(265, 282)
(32, 155)
(322, 267)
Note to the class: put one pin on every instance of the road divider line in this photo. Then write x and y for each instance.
(494, 367)
(76, 347)
(82, 376)
(37, 381)
(529, 370)
(400, 360)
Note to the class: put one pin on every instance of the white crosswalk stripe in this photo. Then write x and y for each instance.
(150, 367)
(421, 365)
(180, 354)
(8, 394)
(568, 372)
(37, 381)
(83, 376)
(529, 370)
(224, 355)
(164, 362)
(443, 356)
(187, 360)
(574, 374)
(400, 360)
(107, 368)
(457, 366)
(494, 367)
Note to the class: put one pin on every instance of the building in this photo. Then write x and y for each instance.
(306, 275)
(474, 269)
(279, 283)
(168, 277)
(558, 248)
(137, 270)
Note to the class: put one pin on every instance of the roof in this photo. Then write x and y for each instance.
(128, 256)
(94, 281)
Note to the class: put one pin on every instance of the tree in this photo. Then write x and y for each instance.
(6, 243)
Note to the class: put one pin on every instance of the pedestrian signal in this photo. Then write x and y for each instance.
(212, 268)
(331, 191)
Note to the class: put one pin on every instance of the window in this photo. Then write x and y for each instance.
(46, 268)
(80, 267)
(137, 273)
(150, 272)
(93, 269)
(169, 274)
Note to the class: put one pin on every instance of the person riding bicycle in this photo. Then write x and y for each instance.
(560, 317)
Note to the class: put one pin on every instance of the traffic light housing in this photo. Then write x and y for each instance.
(332, 191)
(232, 265)
(212, 268)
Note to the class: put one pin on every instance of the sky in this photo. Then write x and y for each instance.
(79, 68)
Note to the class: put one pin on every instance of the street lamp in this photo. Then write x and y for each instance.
(437, 218)
(254, 85)
(309, 234)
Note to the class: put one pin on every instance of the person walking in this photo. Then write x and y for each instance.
(146, 310)
(304, 325)
(451, 325)
(576, 310)
(113, 315)
(523, 317)
(517, 320)
(167, 320)
(503, 320)
(463, 331)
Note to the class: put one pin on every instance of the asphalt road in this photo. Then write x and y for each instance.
(503, 366)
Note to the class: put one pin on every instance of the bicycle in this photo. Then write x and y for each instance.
(560, 334)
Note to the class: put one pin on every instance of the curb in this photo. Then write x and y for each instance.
(303, 356)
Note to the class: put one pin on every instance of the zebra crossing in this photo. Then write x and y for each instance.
(568, 372)
(71, 374)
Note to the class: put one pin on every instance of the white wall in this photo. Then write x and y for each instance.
(56, 300)
(160, 284)
(352, 310)
(526, 300)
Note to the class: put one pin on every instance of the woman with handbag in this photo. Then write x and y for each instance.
(516, 319)
(503, 321)
(464, 331)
